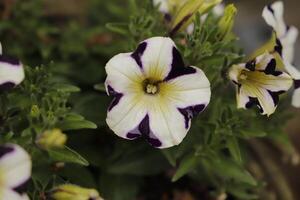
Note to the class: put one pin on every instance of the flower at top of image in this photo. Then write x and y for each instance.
(15, 171)
(181, 12)
(285, 37)
(11, 72)
(155, 94)
(259, 82)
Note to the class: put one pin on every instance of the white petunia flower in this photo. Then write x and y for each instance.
(15, 171)
(155, 94)
(259, 83)
(11, 72)
(285, 43)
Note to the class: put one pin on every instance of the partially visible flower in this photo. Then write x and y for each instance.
(283, 42)
(15, 171)
(155, 94)
(52, 139)
(259, 83)
(74, 192)
(181, 12)
(226, 22)
(11, 72)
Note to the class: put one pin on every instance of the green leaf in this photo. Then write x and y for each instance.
(229, 169)
(66, 88)
(186, 165)
(67, 155)
(168, 153)
(234, 149)
(121, 28)
(75, 122)
(100, 87)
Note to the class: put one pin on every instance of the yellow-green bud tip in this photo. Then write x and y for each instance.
(52, 139)
(74, 192)
(226, 22)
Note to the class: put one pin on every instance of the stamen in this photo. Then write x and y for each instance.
(151, 89)
(243, 76)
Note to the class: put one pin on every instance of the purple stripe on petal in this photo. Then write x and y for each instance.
(252, 102)
(10, 60)
(190, 112)
(22, 187)
(7, 86)
(133, 136)
(143, 130)
(138, 53)
(297, 84)
(271, 68)
(178, 67)
(251, 65)
(278, 47)
(5, 150)
(275, 96)
(270, 9)
(117, 97)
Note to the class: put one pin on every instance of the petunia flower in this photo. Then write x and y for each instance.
(11, 72)
(155, 94)
(74, 192)
(15, 171)
(260, 82)
(286, 37)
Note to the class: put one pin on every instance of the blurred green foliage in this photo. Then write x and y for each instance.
(73, 51)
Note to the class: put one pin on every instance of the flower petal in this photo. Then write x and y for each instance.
(11, 72)
(190, 89)
(15, 166)
(273, 15)
(168, 124)
(125, 116)
(163, 5)
(8, 194)
(288, 44)
(161, 60)
(266, 101)
(296, 96)
(123, 74)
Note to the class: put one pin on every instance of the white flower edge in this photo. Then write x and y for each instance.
(11, 72)
(15, 166)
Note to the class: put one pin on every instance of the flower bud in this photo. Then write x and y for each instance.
(185, 15)
(52, 139)
(226, 22)
(74, 192)
(35, 111)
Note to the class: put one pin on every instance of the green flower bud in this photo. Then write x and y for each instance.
(74, 192)
(52, 139)
(35, 111)
(226, 22)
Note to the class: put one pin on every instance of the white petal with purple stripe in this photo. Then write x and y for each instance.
(11, 72)
(15, 168)
(155, 94)
(259, 83)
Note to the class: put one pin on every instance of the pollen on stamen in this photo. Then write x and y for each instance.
(151, 89)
